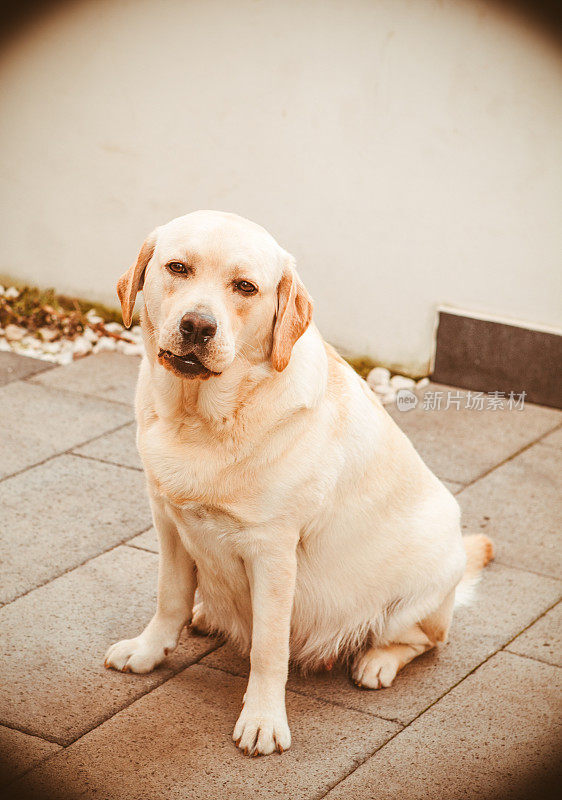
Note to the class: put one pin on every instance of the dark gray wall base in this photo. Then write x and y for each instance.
(486, 356)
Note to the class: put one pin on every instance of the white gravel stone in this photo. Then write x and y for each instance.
(135, 334)
(91, 335)
(81, 346)
(52, 347)
(388, 398)
(379, 376)
(401, 382)
(422, 383)
(65, 358)
(382, 388)
(30, 346)
(114, 327)
(11, 293)
(14, 333)
(48, 334)
(130, 348)
(2, 291)
(92, 317)
(105, 343)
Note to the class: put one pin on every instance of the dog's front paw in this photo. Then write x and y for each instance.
(258, 733)
(136, 655)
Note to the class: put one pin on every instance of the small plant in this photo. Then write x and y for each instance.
(41, 310)
(43, 324)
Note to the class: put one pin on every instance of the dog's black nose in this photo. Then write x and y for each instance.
(198, 328)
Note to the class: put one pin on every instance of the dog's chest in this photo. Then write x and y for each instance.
(209, 521)
(211, 488)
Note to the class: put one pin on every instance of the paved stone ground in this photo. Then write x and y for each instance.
(78, 559)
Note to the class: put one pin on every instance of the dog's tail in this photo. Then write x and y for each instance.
(479, 552)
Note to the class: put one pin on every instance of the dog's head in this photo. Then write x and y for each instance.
(217, 287)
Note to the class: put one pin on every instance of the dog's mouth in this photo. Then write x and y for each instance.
(189, 365)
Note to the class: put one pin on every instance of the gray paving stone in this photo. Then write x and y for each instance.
(505, 602)
(146, 541)
(58, 514)
(496, 735)
(37, 423)
(14, 367)
(519, 505)
(459, 445)
(118, 447)
(53, 682)
(176, 743)
(109, 376)
(543, 640)
(19, 752)
(553, 439)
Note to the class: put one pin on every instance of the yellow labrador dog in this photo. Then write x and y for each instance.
(280, 487)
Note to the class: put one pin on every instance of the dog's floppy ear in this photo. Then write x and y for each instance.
(294, 312)
(132, 281)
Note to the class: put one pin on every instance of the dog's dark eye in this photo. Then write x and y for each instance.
(177, 267)
(246, 287)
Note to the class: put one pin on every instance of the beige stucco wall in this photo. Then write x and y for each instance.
(408, 152)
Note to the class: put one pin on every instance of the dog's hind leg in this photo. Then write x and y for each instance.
(377, 667)
(200, 625)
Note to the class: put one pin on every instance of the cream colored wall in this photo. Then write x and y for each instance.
(408, 152)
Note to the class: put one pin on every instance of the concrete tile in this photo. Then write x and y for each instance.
(495, 735)
(119, 447)
(37, 423)
(109, 376)
(506, 601)
(176, 743)
(19, 752)
(60, 513)
(146, 541)
(14, 367)
(543, 640)
(53, 682)
(461, 444)
(553, 439)
(519, 505)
